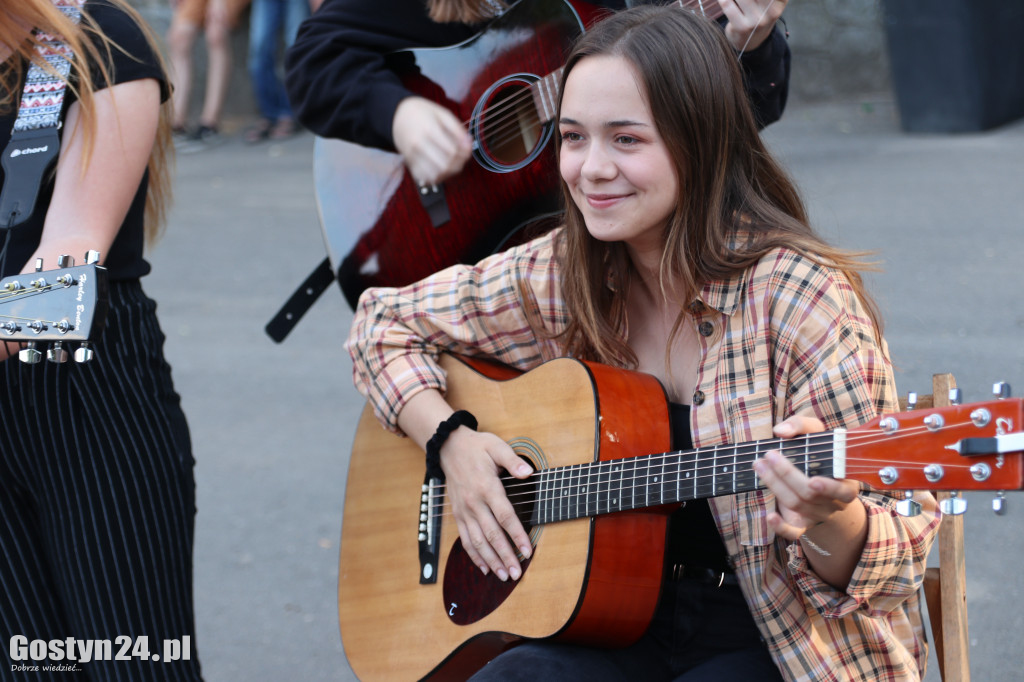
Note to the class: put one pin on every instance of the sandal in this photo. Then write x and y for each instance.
(258, 132)
(283, 129)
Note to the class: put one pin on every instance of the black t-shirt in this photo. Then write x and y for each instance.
(693, 537)
(125, 259)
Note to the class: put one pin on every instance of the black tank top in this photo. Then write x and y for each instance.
(693, 537)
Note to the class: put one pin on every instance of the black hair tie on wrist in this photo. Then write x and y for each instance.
(444, 429)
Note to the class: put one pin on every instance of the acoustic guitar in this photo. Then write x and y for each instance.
(58, 311)
(411, 603)
(381, 229)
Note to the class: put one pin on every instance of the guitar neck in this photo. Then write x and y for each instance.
(576, 491)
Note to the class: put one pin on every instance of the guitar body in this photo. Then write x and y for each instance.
(593, 580)
(377, 229)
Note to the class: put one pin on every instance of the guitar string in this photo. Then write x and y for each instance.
(6, 296)
(503, 121)
(855, 465)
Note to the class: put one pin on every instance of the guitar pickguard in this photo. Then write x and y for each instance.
(469, 594)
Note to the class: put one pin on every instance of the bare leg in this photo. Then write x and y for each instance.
(218, 74)
(180, 39)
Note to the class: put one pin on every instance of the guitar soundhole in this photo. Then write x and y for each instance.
(469, 595)
(508, 129)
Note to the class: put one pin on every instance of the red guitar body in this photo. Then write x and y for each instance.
(377, 228)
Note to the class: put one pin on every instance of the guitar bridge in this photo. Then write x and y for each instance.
(429, 535)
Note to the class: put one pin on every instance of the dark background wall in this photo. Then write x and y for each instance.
(838, 52)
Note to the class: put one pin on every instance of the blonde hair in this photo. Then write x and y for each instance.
(42, 15)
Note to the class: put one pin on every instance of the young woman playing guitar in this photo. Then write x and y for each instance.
(685, 253)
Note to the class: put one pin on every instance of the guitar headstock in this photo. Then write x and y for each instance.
(67, 304)
(977, 446)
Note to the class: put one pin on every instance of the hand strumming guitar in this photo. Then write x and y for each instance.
(432, 141)
(473, 463)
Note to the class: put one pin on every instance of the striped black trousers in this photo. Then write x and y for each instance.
(97, 506)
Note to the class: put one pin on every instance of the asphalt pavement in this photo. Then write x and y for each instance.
(272, 423)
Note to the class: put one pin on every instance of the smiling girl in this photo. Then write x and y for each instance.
(685, 253)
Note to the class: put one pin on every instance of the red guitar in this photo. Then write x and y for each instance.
(412, 604)
(380, 229)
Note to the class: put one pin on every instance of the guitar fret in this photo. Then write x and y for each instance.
(543, 497)
(545, 95)
(567, 486)
(562, 497)
(603, 506)
(744, 476)
(819, 461)
(725, 464)
(579, 491)
(807, 454)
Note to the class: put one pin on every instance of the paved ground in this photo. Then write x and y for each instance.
(272, 424)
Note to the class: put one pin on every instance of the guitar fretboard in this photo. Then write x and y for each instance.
(545, 95)
(580, 490)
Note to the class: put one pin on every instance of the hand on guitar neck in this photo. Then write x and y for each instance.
(434, 144)
(824, 507)
(750, 21)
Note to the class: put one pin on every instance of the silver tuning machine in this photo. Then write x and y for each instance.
(84, 353)
(954, 505)
(999, 503)
(57, 353)
(30, 355)
(908, 506)
(1001, 390)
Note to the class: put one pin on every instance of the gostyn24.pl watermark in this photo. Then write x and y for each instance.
(30, 654)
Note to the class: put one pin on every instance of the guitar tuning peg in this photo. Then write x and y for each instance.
(65, 261)
(908, 506)
(84, 353)
(1001, 389)
(956, 396)
(999, 503)
(30, 355)
(954, 505)
(911, 401)
(92, 257)
(57, 354)
(39, 264)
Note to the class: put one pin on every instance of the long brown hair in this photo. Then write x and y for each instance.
(90, 47)
(735, 202)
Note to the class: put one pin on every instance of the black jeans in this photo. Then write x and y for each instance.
(700, 633)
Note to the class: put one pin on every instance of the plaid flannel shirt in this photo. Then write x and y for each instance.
(785, 336)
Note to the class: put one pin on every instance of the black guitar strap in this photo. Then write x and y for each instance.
(300, 302)
(34, 141)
